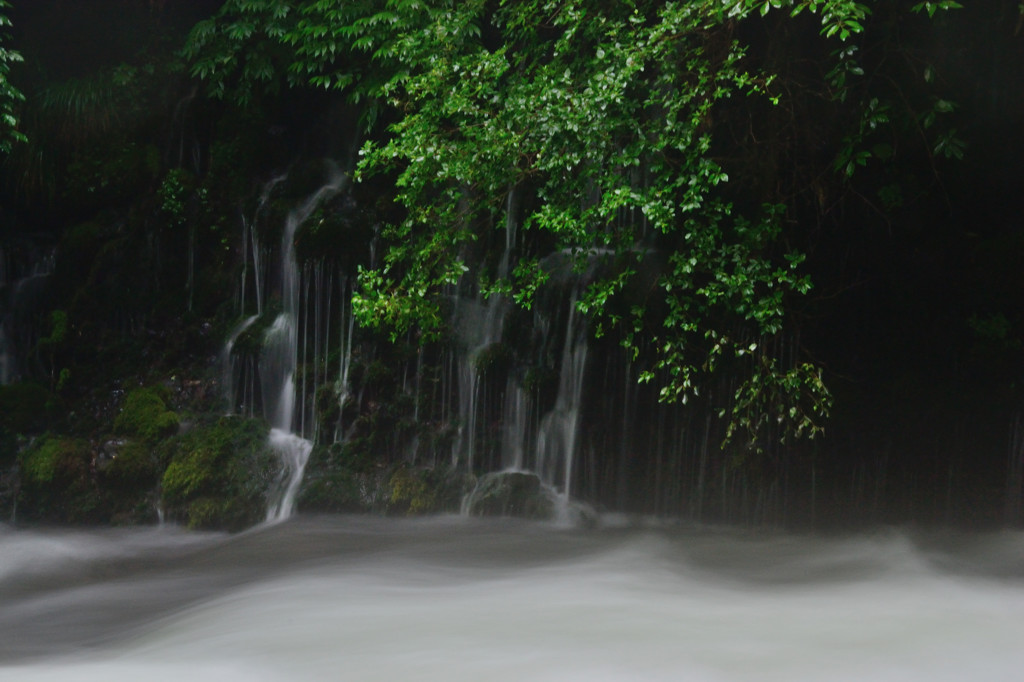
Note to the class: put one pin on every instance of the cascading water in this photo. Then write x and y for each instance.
(294, 452)
(516, 418)
(506, 394)
(273, 375)
(347, 325)
(281, 352)
(367, 598)
(228, 368)
(547, 446)
(556, 440)
(544, 443)
(479, 326)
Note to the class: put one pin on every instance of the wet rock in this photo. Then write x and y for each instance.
(511, 493)
(220, 475)
(426, 491)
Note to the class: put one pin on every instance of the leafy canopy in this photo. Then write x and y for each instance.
(598, 118)
(10, 96)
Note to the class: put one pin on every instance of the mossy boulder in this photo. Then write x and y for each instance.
(25, 410)
(426, 491)
(511, 493)
(56, 481)
(145, 415)
(220, 474)
(53, 459)
(128, 473)
(330, 486)
(410, 492)
(194, 471)
(129, 466)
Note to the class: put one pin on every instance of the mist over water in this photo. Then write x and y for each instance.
(356, 598)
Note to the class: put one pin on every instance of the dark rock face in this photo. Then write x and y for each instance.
(510, 493)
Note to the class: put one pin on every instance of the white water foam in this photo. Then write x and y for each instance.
(356, 599)
(294, 452)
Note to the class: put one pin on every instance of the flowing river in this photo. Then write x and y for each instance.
(358, 598)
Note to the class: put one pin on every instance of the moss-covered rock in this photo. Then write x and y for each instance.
(219, 475)
(427, 491)
(127, 473)
(410, 492)
(130, 466)
(510, 493)
(25, 410)
(56, 482)
(191, 473)
(54, 459)
(342, 492)
(145, 415)
(337, 480)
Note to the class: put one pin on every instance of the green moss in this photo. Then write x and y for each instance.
(53, 459)
(145, 414)
(190, 473)
(410, 493)
(510, 493)
(134, 466)
(206, 513)
(328, 409)
(40, 465)
(56, 482)
(333, 484)
(127, 475)
(219, 474)
(427, 491)
(334, 492)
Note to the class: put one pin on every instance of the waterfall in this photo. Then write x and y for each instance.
(516, 423)
(294, 453)
(513, 387)
(556, 439)
(479, 326)
(270, 382)
(228, 370)
(281, 357)
(346, 325)
(547, 445)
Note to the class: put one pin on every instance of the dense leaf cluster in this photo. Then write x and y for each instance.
(10, 96)
(583, 128)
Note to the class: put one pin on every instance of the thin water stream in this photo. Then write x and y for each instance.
(355, 598)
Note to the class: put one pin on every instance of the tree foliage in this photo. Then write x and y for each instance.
(10, 96)
(601, 119)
